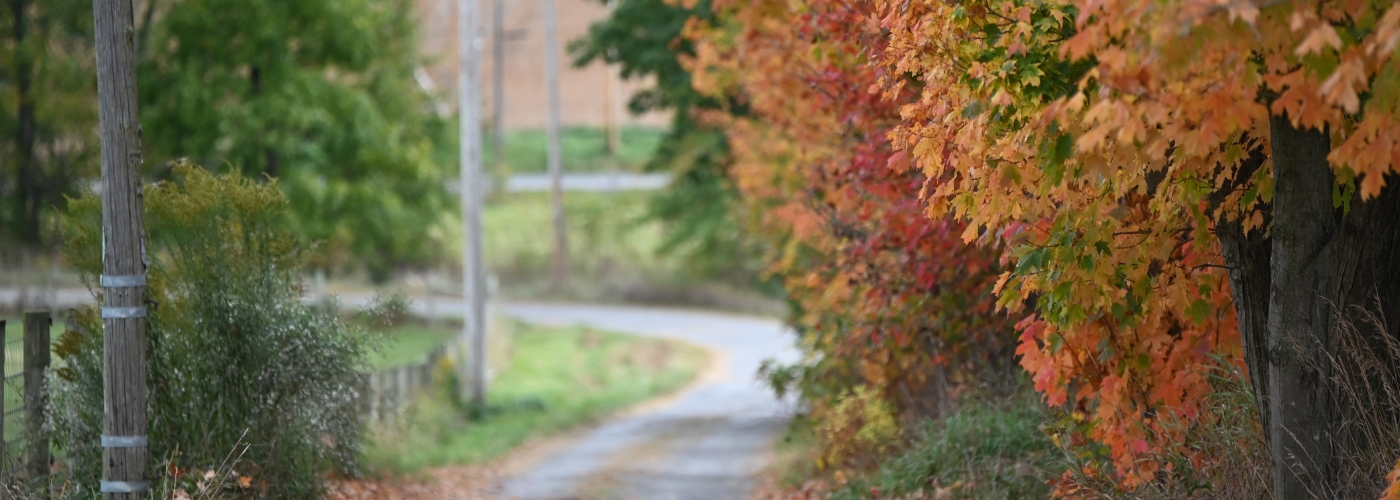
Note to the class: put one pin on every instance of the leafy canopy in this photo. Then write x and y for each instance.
(643, 38)
(317, 93)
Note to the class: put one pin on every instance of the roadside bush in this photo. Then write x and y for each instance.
(985, 450)
(234, 355)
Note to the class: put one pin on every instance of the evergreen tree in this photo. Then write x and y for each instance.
(317, 93)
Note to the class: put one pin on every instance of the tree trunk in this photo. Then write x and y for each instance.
(31, 192)
(1324, 259)
(270, 159)
(123, 255)
(1247, 258)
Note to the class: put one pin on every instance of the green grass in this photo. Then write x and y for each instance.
(582, 149)
(988, 449)
(607, 236)
(408, 345)
(614, 254)
(562, 377)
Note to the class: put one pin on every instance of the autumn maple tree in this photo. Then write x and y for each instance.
(1162, 191)
(1156, 167)
(893, 305)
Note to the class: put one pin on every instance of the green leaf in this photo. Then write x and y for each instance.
(973, 109)
(1198, 311)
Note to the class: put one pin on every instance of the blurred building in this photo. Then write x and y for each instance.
(586, 94)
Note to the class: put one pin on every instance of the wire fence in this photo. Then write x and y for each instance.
(24, 361)
(12, 405)
(387, 393)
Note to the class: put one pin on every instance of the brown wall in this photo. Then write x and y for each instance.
(584, 94)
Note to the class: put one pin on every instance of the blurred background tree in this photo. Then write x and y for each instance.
(48, 119)
(319, 94)
(697, 211)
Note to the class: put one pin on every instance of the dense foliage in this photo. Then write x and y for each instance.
(48, 113)
(237, 363)
(1129, 152)
(890, 304)
(318, 94)
(1119, 165)
(642, 37)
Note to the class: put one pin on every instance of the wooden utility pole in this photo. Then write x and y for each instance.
(123, 278)
(560, 271)
(473, 272)
(498, 83)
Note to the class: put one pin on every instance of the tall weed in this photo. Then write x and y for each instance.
(234, 355)
(1365, 367)
(985, 449)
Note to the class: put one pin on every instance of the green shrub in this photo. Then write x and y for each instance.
(231, 347)
(984, 450)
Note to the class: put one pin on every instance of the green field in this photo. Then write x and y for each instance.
(563, 377)
(608, 237)
(582, 149)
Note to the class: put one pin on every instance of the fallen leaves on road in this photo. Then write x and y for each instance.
(463, 482)
(768, 489)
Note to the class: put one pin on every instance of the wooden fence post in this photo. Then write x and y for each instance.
(376, 389)
(36, 362)
(3, 340)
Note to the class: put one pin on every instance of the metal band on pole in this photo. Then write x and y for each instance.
(123, 281)
(123, 312)
(124, 441)
(125, 486)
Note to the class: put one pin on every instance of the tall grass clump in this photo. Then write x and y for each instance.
(235, 357)
(1364, 368)
(986, 449)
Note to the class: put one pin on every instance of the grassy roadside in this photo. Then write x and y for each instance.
(989, 448)
(607, 236)
(409, 344)
(559, 378)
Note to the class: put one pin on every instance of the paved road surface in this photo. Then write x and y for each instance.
(705, 444)
(583, 181)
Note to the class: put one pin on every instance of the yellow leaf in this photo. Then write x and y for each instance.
(1001, 282)
(1324, 35)
(970, 233)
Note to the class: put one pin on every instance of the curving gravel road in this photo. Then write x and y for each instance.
(705, 444)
